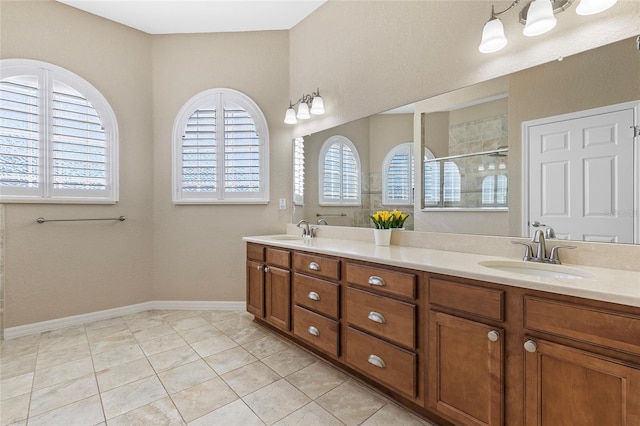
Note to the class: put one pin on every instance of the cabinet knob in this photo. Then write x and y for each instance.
(314, 266)
(376, 317)
(313, 331)
(530, 346)
(493, 335)
(375, 280)
(260, 267)
(313, 295)
(266, 269)
(377, 361)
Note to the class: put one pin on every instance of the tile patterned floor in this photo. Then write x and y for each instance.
(176, 368)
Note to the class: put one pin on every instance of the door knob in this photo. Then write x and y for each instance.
(493, 335)
(530, 346)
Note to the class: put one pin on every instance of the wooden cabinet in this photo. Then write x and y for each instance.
(278, 295)
(466, 355)
(255, 279)
(570, 385)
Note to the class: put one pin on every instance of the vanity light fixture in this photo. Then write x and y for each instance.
(308, 104)
(537, 17)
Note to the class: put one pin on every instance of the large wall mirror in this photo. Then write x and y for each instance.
(466, 172)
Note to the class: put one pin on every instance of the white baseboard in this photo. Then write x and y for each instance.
(39, 327)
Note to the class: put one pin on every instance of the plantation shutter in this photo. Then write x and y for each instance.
(19, 133)
(339, 172)
(350, 176)
(241, 152)
(399, 175)
(199, 152)
(79, 143)
(332, 172)
(298, 171)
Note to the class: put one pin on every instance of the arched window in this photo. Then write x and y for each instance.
(494, 190)
(339, 173)
(58, 136)
(397, 176)
(220, 150)
(440, 180)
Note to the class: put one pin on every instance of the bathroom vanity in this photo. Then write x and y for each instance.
(455, 341)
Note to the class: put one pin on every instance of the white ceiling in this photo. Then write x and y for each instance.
(200, 16)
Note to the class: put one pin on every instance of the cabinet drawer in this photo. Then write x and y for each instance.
(382, 361)
(315, 294)
(317, 330)
(278, 257)
(384, 280)
(255, 252)
(382, 316)
(321, 266)
(480, 301)
(597, 326)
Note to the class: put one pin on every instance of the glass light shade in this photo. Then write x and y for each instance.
(540, 18)
(493, 38)
(591, 7)
(303, 111)
(290, 116)
(317, 106)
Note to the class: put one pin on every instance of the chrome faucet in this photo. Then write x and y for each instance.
(322, 222)
(306, 230)
(541, 251)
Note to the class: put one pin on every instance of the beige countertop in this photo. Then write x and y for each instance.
(609, 285)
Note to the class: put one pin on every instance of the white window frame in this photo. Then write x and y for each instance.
(45, 192)
(298, 171)
(403, 148)
(344, 141)
(220, 97)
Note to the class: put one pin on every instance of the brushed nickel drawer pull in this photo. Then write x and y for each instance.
(313, 295)
(260, 267)
(314, 266)
(314, 331)
(376, 317)
(377, 361)
(493, 335)
(375, 280)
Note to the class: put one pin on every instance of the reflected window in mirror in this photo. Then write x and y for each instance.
(441, 184)
(397, 176)
(298, 171)
(339, 173)
(494, 190)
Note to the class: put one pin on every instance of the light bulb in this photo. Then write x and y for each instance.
(540, 18)
(290, 116)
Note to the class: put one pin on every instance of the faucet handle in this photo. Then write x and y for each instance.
(553, 256)
(528, 251)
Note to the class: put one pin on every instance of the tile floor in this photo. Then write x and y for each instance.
(176, 368)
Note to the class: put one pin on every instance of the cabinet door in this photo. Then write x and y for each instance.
(465, 373)
(566, 386)
(255, 288)
(278, 296)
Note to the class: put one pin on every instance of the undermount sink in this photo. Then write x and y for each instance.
(536, 269)
(286, 237)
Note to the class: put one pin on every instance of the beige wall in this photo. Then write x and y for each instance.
(198, 249)
(53, 270)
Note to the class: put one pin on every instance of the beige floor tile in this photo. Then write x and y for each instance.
(14, 409)
(186, 376)
(95, 335)
(124, 338)
(188, 323)
(15, 386)
(235, 324)
(161, 412)
(179, 315)
(162, 344)
(59, 395)
(63, 355)
(73, 331)
(173, 358)
(235, 413)
(62, 342)
(248, 334)
(288, 361)
(360, 404)
(134, 395)
(317, 379)
(84, 412)
(312, 414)
(153, 332)
(62, 373)
(266, 346)
(228, 360)
(213, 345)
(202, 399)
(392, 414)
(17, 366)
(267, 402)
(103, 323)
(122, 374)
(200, 333)
(142, 323)
(218, 316)
(21, 347)
(250, 378)
(117, 356)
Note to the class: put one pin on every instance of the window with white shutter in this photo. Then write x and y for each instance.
(339, 169)
(298, 171)
(58, 136)
(442, 182)
(397, 176)
(221, 145)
